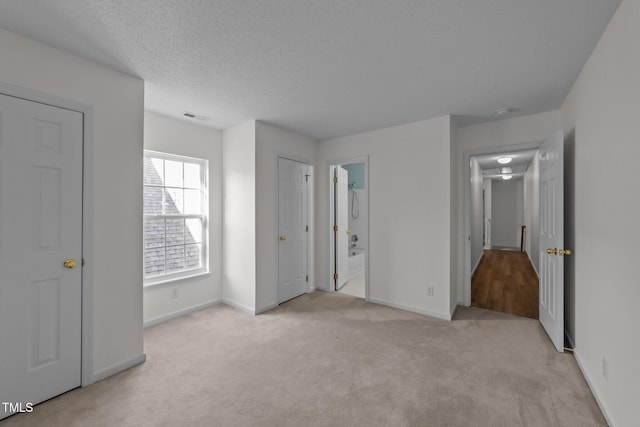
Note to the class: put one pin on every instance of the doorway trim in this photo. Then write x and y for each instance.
(88, 185)
(310, 240)
(466, 284)
(330, 250)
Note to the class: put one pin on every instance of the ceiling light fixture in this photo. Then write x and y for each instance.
(504, 160)
(503, 111)
(506, 177)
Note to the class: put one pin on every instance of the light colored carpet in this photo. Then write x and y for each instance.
(333, 360)
(354, 286)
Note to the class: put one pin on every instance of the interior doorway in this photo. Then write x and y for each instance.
(547, 191)
(504, 206)
(484, 182)
(349, 220)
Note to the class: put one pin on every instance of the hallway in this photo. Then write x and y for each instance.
(505, 281)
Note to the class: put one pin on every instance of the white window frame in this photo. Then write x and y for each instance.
(204, 174)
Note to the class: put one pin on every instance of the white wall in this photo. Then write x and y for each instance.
(169, 135)
(271, 142)
(239, 216)
(519, 210)
(486, 185)
(250, 229)
(476, 212)
(455, 274)
(517, 130)
(409, 212)
(117, 102)
(601, 123)
(532, 211)
(506, 212)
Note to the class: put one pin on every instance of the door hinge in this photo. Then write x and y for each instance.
(335, 228)
(307, 229)
(306, 178)
(307, 279)
(82, 262)
(335, 179)
(335, 276)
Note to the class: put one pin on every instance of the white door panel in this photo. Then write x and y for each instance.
(342, 222)
(552, 237)
(293, 202)
(40, 227)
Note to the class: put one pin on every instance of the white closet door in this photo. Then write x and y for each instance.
(40, 229)
(293, 202)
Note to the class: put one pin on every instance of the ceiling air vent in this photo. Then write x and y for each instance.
(195, 116)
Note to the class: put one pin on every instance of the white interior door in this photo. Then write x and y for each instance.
(40, 228)
(341, 228)
(552, 238)
(293, 229)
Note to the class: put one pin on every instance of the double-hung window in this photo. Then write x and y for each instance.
(175, 217)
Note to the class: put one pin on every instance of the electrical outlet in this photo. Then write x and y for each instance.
(174, 293)
(605, 369)
(430, 291)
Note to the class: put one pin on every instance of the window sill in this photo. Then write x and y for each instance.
(173, 279)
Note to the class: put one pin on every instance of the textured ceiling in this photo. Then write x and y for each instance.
(330, 68)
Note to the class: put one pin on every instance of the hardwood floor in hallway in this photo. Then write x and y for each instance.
(505, 281)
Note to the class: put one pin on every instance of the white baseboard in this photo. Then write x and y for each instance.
(118, 367)
(239, 306)
(444, 316)
(473, 270)
(587, 378)
(455, 306)
(266, 308)
(533, 265)
(452, 310)
(179, 313)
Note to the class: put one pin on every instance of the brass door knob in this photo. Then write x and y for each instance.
(283, 237)
(69, 263)
(555, 251)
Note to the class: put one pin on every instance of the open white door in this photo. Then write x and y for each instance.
(40, 252)
(341, 226)
(293, 228)
(552, 238)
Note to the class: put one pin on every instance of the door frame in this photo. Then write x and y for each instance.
(330, 250)
(88, 185)
(310, 286)
(500, 149)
